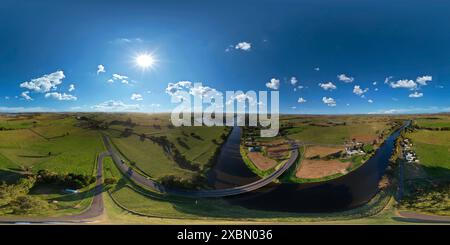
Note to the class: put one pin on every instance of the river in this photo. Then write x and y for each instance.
(346, 192)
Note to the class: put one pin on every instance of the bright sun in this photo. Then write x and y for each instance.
(145, 61)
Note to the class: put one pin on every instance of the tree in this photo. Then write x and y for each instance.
(110, 181)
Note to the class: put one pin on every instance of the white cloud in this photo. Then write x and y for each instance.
(117, 77)
(59, 96)
(246, 46)
(301, 100)
(126, 40)
(370, 101)
(100, 69)
(327, 86)
(241, 97)
(424, 79)
(317, 69)
(388, 79)
(136, 96)
(273, 84)
(71, 87)
(374, 83)
(358, 91)
(25, 95)
(329, 101)
(344, 78)
(112, 105)
(415, 95)
(294, 81)
(173, 89)
(45, 83)
(404, 83)
(6, 97)
(376, 89)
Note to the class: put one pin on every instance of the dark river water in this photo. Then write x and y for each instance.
(346, 192)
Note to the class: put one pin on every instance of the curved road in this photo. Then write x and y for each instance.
(142, 180)
(95, 209)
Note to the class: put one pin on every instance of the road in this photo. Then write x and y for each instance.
(153, 185)
(95, 209)
(411, 216)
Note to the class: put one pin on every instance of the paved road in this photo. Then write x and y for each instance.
(142, 180)
(94, 211)
(410, 216)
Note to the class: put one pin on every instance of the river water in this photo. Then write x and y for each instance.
(346, 192)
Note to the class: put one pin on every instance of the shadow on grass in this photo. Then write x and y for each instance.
(438, 172)
(48, 189)
(10, 176)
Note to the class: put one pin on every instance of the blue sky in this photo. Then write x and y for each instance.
(346, 56)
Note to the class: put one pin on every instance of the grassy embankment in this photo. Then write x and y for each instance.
(428, 188)
(33, 142)
(197, 145)
(129, 203)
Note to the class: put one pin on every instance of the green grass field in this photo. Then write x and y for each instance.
(433, 121)
(57, 145)
(196, 144)
(433, 150)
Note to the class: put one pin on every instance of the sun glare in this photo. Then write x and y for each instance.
(145, 61)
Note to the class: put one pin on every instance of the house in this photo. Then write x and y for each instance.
(254, 149)
(350, 151)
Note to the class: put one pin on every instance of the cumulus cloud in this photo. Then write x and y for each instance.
(374, 83)
(59, 96)
(424, 79)
(45, 83)
(411, 84)
(317, 69)
(136, 96)
(329, 101)
(358, 91)
(71, 87)
(117, 77)
(415, 95)
(301, 100)
(404, 83)
(344, 78)
(294, 81)
(246, 46)
(112, 105)
(273, 84)
(26, 95)
(173, 89)
(242, 97)
(100, 69)
(370, 101)
(327, 86)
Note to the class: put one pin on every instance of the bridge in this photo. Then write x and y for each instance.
(153, 185)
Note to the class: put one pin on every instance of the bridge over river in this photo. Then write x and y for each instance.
(153, 185)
